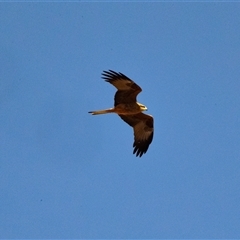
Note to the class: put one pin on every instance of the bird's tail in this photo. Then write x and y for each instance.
(110, 110)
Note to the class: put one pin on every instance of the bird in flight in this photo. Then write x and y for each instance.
(129, 110)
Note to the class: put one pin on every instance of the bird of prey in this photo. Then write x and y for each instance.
(129, 110)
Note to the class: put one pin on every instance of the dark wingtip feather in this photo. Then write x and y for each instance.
(141, 148)
(111, 75)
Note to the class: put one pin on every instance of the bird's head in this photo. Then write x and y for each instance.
(142, 107)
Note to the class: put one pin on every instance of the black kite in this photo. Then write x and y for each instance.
(127, 107)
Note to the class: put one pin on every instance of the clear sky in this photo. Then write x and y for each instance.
(67, 174)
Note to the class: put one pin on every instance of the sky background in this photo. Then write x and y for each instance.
(67, 174)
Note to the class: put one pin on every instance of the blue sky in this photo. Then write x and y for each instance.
(68, 174)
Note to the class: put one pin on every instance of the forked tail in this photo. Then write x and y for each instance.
(110, 110)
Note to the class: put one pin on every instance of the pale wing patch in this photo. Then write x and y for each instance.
(142, 132)
(122, 84)
(143, 135)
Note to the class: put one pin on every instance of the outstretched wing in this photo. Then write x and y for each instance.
(127, 88)
(143, 131)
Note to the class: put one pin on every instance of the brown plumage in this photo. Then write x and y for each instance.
(127, 107)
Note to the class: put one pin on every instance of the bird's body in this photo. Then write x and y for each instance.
(122, 108)
(130, 111)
